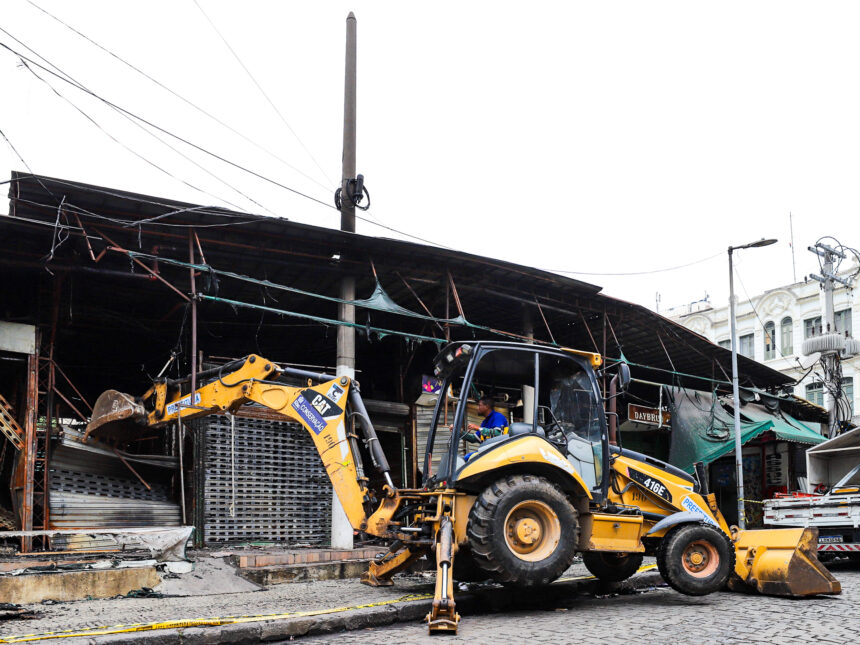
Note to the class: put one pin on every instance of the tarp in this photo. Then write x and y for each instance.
(702, 430)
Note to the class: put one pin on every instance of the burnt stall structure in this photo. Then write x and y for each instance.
(119, 288)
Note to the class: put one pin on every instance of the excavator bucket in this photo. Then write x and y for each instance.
(110, 411)
(781, 562)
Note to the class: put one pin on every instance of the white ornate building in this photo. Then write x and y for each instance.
(772, 327)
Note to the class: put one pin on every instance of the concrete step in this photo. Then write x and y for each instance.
(75, 585)
(252, 560)
(279, 574)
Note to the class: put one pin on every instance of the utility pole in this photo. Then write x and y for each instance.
(830, 341)
(829, 323)
(341, 530)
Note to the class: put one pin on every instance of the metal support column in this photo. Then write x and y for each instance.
(29, 454)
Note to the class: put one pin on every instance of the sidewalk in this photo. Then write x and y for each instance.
(277, 613)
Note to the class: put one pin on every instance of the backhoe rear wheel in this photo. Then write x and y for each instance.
(696, 559)
(466, 569)
(610, 566)
(523, 531)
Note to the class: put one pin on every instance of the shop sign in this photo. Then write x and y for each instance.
(650, 416)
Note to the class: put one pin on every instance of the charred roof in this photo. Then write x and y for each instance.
(111, 267)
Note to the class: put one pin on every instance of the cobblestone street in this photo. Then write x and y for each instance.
(656, 616)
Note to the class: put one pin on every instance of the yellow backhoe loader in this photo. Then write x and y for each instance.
(518, 508)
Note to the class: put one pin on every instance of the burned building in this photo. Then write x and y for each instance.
(103, 288)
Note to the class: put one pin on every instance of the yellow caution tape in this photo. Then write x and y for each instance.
(200, 622)
(232, 620)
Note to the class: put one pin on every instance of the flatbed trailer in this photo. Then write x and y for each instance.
(833, 473)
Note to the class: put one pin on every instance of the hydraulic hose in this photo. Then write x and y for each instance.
(371, 440)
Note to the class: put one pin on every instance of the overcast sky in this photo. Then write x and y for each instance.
(596, 137)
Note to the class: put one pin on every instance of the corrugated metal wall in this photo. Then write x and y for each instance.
(265, 483)
(423, 418)
(92, 488)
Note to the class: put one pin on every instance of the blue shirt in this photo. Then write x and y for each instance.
(494, 420)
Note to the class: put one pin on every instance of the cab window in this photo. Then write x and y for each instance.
(571, 413)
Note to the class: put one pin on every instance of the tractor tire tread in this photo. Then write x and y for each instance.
(485, 541)
(672, 571)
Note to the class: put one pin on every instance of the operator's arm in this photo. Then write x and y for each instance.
(473, 437)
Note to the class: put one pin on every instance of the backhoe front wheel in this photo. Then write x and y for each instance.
(610, 566)
(696, 559)
(523, 531)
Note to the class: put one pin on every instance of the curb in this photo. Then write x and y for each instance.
(468, 602)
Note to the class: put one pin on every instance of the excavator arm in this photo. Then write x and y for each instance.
(321, 409)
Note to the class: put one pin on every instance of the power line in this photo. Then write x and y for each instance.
(77, 83)
(153, 125)
(680, 266)
(761, 322)
(180, 97)
(214, 210)
(27, 166)
(140, 156)
(262, 91)
(152, 134)
(114, 220)
(197, 147)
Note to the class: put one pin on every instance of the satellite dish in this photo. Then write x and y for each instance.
(808, 361)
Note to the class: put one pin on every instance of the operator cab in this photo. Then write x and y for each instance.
(545, 392)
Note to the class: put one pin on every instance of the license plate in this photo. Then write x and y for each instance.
(829, 539)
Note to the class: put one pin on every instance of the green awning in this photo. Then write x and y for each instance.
(702, 430)
(784, 426)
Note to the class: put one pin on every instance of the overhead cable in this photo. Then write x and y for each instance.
(78, 84)
(140, 156)
(761, 322)
(263, 92)
(153, 125)
(181, 98)
(210, 210)
(204, 150)
(680, 266)
(115, 220)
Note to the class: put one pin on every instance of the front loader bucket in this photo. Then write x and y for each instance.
(110, 410)
(781, 562)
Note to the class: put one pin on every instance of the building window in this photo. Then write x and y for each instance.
(769, 340)
(842, 321)
(727, 343)
(815, 393)
(811, 327)
(786, 334)
(848, 394)
(746, 346)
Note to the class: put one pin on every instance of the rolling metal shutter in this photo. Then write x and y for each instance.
(265, 483)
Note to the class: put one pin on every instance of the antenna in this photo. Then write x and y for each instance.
(793, 265)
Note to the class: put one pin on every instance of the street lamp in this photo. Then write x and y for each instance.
(736, 399)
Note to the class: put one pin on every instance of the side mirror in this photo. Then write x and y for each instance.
(623, 377)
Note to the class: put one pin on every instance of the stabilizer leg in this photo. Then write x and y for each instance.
(443, 617)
